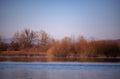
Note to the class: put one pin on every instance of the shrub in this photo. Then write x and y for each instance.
(83, 48)
(63, 48)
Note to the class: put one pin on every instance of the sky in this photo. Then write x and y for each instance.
(99, 19)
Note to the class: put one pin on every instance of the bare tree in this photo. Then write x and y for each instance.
(42, 38)
(3, 46)
(44, 41)
(1, 43)
(24, 38)
(27, 37)
(15, 37)
(0, 39)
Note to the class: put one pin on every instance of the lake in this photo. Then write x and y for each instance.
(57, 59)
(59, 70)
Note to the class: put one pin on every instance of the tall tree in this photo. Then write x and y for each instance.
(43, 38)
(24, 38)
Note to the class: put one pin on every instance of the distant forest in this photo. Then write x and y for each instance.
(40, 41)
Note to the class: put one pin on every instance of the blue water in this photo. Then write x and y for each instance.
(59, 70)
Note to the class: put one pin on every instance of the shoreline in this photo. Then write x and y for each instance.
(57, 59)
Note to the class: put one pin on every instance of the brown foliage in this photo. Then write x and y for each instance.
(84, 48)
(3, 46)
(24, 38)
(64, 48)
(23, 41)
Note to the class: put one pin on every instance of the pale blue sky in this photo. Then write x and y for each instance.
(91, 18)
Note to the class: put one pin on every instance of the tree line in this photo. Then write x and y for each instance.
(41, 41)
(83, 48)
(28, 39)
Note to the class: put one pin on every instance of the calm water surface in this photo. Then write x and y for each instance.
(59, 70)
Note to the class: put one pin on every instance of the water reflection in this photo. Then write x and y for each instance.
(58, 59)
(38, 70)
(13, 74)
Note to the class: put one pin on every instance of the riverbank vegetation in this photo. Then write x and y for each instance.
(40, 43)
(82, 48)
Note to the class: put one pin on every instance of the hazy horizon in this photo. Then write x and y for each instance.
(99, 19)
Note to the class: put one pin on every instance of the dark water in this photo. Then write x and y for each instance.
(59, 70)
(58, 59)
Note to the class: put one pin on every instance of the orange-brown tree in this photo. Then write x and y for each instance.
(24, 38)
